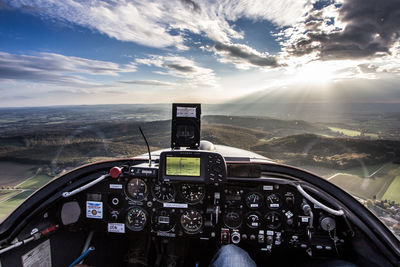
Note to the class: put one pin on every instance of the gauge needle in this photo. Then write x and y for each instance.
(186, 217)
(140, 212)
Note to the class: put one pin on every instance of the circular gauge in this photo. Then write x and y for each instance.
(192, 193)
(273, 201)
(253, 200)
(191, 221)
(233, 219)
(136, 219)
(273, 220)
(164, 192)
(253, 220)
(136, 189)
(163, 220)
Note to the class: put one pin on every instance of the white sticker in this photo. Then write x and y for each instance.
(289, 214)
(186, 112)
(304, 219)
(116, 228)
(39, 256)
(175, 205)
(116, 186)
(254, 224)
(253, 205)
(274, 205)
(270, 232)
(267, 187)
(94, 209)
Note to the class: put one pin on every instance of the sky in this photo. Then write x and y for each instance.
(139, 51)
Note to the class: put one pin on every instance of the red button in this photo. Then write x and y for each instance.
(115, 172)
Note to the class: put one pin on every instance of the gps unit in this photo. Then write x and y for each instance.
(192, 166)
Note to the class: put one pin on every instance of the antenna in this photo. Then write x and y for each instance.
(147, 144)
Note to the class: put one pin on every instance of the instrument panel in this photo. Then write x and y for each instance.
(257, 211)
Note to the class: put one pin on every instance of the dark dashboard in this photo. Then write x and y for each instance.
(265, 213)
(134, 214)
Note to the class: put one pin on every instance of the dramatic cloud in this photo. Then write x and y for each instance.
(352, 30)
(165, 23)
(149, 82)
(56, 69)
(243, 56)
(181, 67)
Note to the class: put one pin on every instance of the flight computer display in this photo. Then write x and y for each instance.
(182, 166)
(192, 166)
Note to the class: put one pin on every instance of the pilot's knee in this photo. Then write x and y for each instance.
(231, 255)
(231, 250)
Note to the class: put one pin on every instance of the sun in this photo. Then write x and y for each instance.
(314, 73)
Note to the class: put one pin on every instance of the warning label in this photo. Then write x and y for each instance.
(94, 209)
(39, 256)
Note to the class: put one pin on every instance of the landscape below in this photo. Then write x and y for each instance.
(362, 158)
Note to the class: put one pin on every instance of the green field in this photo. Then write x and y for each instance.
(5, 193)
(35, 182)
(384, 184)
(393, 192)
(9, 205)
(362, 187)
(351, 133)
(347, 132)
(10, 199)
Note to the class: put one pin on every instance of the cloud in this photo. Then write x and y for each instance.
(149, 82)
(181, 67)
(243, 56)
(166, 23)
(56, 69)
(352, 30)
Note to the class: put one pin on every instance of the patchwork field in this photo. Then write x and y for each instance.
(9, 205)
(14, 194)
(7, 193)
(13, 173)
(362, 187)
(34, 182)
(383, 183)
(393, 192)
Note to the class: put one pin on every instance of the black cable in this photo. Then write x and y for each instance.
(147, 144)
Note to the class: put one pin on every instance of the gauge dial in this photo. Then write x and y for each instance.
(253, 200)
(164, 192)
(192, 193)
(233, 219)
(163, 220)
(136, 219)
(136, 189)
(191, 221)
(273, 201)
(253, 220)
(273, 220)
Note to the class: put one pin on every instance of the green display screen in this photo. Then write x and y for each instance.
(182, 166)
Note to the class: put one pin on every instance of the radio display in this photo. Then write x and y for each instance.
(182, 166)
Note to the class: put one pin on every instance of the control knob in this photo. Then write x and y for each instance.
(328, 223)
(235, 237)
